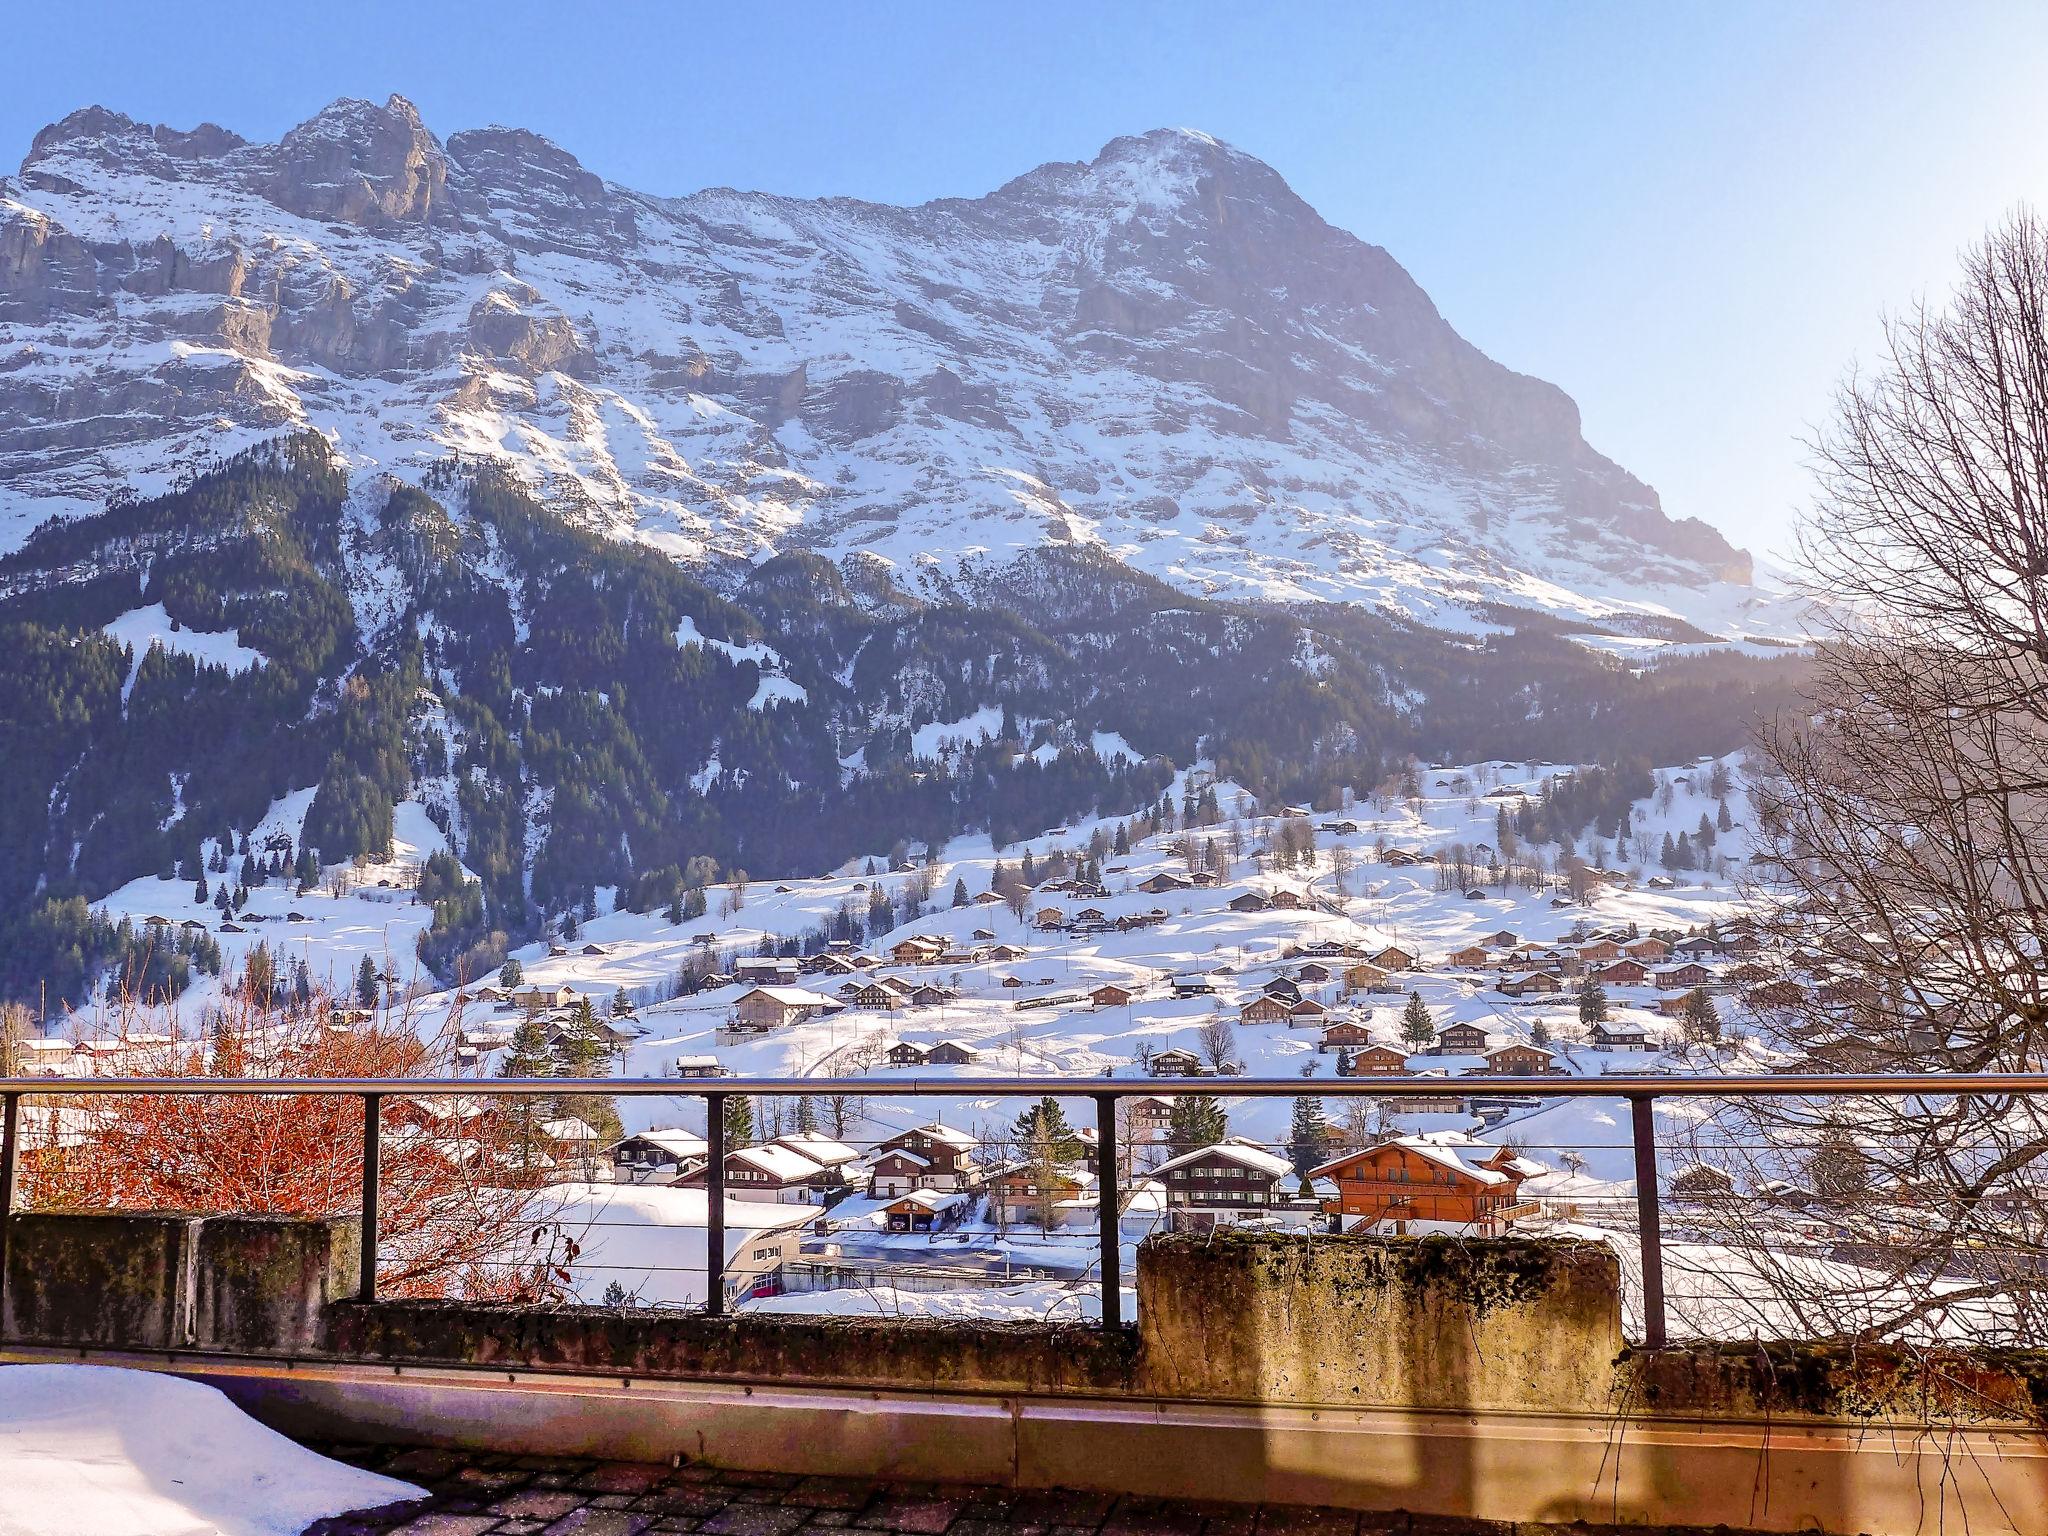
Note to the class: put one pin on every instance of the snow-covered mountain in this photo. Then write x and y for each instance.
(1163, 352)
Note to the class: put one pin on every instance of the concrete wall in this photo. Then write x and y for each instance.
(169, 1281)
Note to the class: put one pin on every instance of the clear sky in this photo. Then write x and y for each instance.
(1689, 216)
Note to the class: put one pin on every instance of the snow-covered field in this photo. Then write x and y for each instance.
(92, 1451)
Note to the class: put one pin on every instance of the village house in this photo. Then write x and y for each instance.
(1025, 1194)
(1192, 986)
(924, 1210)
(700, 1066)
(1651, 951)
(1173, 1062)
(1460, 1040)
(1285, 900)
(1435, 1182)
(1110, 995)
(1470, 957)
(1265, 1010)
(656, 1157)
(1395, 958)
(770, 1172)
(1250, 901)
(1306, 1011)
(1531, 984)
(1599, 952)
(766, 969)
(931, 1156)
(1520, 1061)
(1622, 973)
(908, 1053)
(1503, 938)
(1314, 973)
(1049, 917)
(882, 994)
(1231, 1181)
(1609, 1036)
(921, 949)
(1364, 977)
(950, 1053)
(1372, 1061)
(1344, 1035)
(1683, 978)
(775, 1007)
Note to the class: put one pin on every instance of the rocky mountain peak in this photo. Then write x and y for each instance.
(355, 162)
(1162, 354)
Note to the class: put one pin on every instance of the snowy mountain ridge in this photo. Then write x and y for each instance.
(1163, 354)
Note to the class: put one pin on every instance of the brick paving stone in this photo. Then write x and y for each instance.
(424, 1464)
(831, 1493)
(912, 1516)
(830, 1519)
(446, 1525)
(1062, 1507)
(1302, 1520)
(687, 1501)
(1153, 1517)
(539, 1503)
(598, 1522)
(753, 1520)
(518, 1527)
(621, 1477)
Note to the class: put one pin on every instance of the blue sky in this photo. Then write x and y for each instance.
(1689, 216)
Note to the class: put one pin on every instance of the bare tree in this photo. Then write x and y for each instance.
(1219, 1042)
(1902, 820)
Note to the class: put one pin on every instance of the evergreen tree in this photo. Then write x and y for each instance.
(528, 1054)
(1197, 1120)
(1122, 846)
(366, 983)
(200, 894)
(1539, 1033)
(806, 1115)
(1723, 822)
(511, 974)
(739, 1121)
(1592, 1002)
(1417, 1027)
(1043, 1128)
(960, 897)
(1308, 1136)
(1701, 1018)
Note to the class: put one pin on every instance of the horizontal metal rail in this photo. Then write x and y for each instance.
(1640, 1092)
(1611, 1086)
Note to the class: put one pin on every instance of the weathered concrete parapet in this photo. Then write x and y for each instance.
(1873, 1385)
(914, 1354)
(169, 1280)
(113, 1280)
(1433, 1323)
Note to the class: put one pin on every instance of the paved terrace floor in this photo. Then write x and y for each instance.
(486, 1495)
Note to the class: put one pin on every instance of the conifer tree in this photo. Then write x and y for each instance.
(366, 983)
(1417, 1027)
(1197, 1120)
(1592, 1001)
(739, 1121)
(1308, 1136)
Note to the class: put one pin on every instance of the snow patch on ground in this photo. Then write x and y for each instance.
(91, 1451)
(142, 629)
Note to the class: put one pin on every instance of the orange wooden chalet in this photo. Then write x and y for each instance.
(1435, 1181)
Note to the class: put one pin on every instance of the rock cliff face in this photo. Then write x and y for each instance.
(1163, 353)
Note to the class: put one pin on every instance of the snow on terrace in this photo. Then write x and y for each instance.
(92, 1451)
(145, 629)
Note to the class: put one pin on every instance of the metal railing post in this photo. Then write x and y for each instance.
(373, 1153)
(714, 1204)
(10, 1127)
(1106, 1210)
(1649, 1224)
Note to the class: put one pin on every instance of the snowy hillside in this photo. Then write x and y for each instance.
(1163, 353)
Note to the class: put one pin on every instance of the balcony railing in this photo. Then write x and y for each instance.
(1640, 1093)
